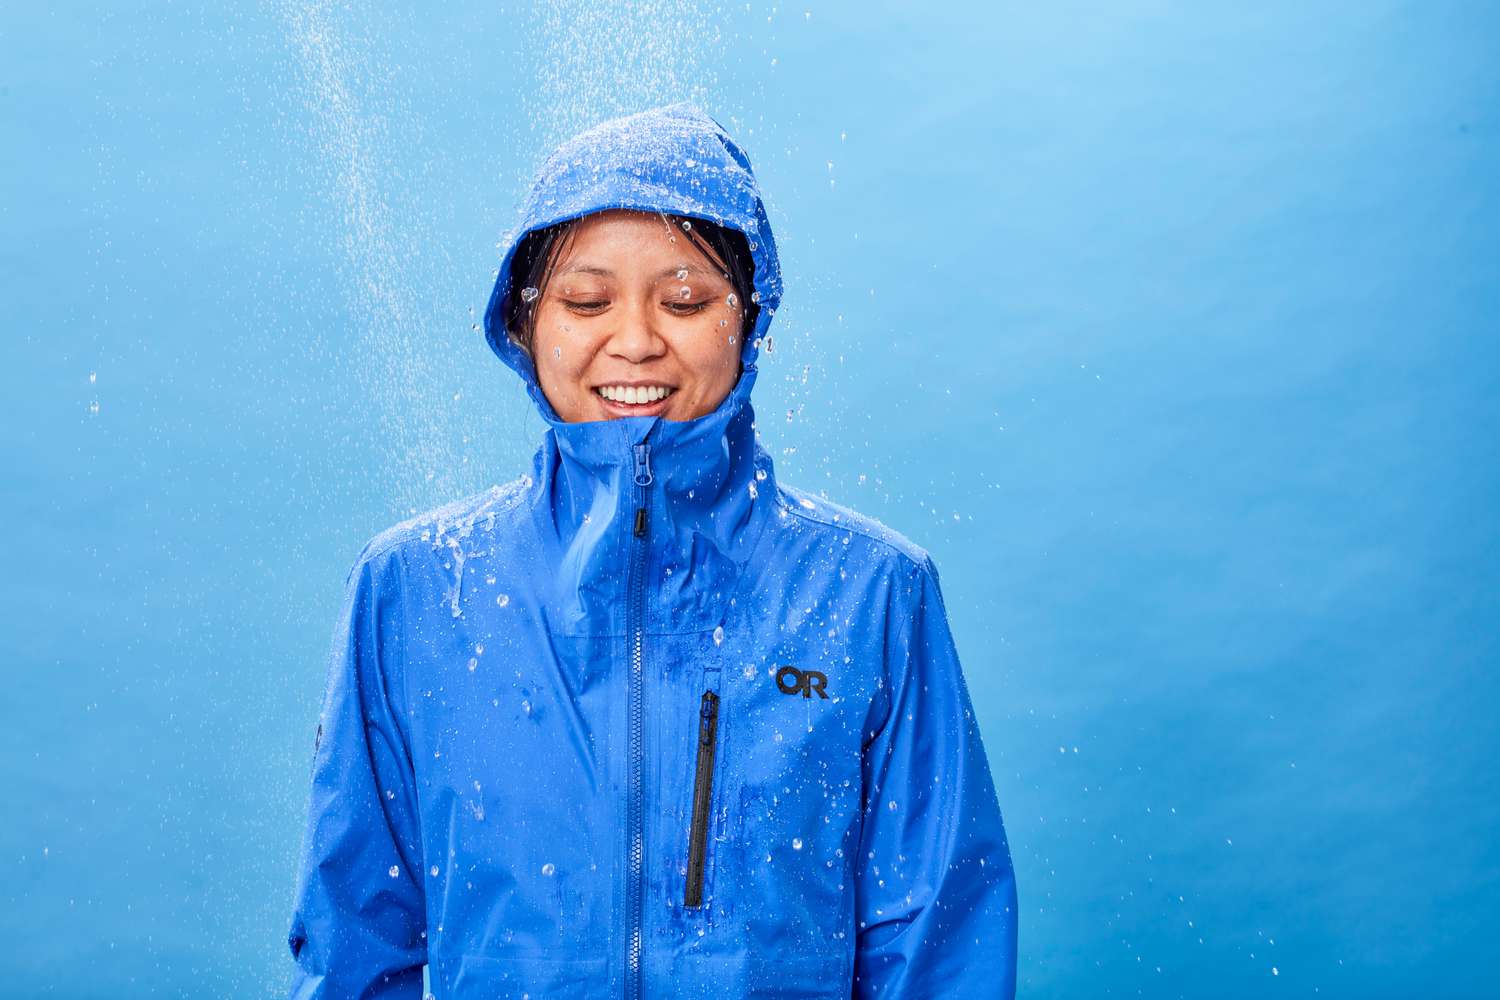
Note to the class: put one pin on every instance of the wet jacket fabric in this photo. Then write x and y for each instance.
(646, 721)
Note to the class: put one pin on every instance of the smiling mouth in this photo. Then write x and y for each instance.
(633, 400)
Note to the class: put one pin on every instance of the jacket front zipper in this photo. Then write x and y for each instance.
(708, 725)
(635, 852)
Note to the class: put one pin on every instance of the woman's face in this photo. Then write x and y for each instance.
(634, 308)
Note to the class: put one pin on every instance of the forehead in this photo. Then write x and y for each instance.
(625, 242)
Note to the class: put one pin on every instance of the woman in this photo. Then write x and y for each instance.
(647, 722)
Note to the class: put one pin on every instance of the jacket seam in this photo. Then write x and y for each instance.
(798, 510)
(906, 617)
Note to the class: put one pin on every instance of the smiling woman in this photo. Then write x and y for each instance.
(630, 313)
(648, 721)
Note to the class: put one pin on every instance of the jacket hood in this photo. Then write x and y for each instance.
(674, 159)
(707, 485)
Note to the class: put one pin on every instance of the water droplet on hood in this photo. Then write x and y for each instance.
(529, 294)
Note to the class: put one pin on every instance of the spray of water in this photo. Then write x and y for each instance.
(599, 60)
(587, 60)
(350, 122)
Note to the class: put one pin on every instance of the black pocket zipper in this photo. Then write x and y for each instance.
(708, 727)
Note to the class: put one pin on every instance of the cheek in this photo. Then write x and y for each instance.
(560, 346)
(716, 345)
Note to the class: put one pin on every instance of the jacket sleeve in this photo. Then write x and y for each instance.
(359, 920)
(935, 893)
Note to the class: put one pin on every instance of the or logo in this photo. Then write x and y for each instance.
(790, 680)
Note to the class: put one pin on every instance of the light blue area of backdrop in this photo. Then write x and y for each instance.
(1170, 330)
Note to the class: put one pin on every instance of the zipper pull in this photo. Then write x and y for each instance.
(642, 479)
(708, 715)
(643, 464)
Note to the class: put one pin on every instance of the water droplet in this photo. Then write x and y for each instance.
(93, 377)
(529, 294)
(557, 352)
(686, 224)
(755, 296)
(731, 301)
(796, 843)
(891, 805)
(770, 343)
(549, 868)
(434, 871)
(502, 600)
(760, 474)
(682, 274)
(684, 291)
(473, 663)
(718, 635)
(94, 406)
(753, 491)
(394, 871)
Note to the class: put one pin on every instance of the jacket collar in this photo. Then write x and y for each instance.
(708, 488)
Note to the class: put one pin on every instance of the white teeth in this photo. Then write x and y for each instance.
(634, 394)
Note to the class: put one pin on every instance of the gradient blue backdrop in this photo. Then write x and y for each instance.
(1170, 329)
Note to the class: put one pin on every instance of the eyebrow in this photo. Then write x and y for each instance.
(670, 272)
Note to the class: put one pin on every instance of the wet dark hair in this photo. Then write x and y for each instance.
(540, 250)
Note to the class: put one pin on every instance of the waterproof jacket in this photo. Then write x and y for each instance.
(647, 722)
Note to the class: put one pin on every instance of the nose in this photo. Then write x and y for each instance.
(635, 337)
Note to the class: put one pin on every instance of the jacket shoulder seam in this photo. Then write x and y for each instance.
(913, 554)
(490, 502)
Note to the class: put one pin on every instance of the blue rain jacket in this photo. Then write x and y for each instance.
(647, 722)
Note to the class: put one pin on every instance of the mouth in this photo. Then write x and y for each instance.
(642, 400)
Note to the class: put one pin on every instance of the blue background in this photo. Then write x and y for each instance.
(1169, 329)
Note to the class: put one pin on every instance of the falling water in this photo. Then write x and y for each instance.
(588, 61)
(350, 124)
(598, 60)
